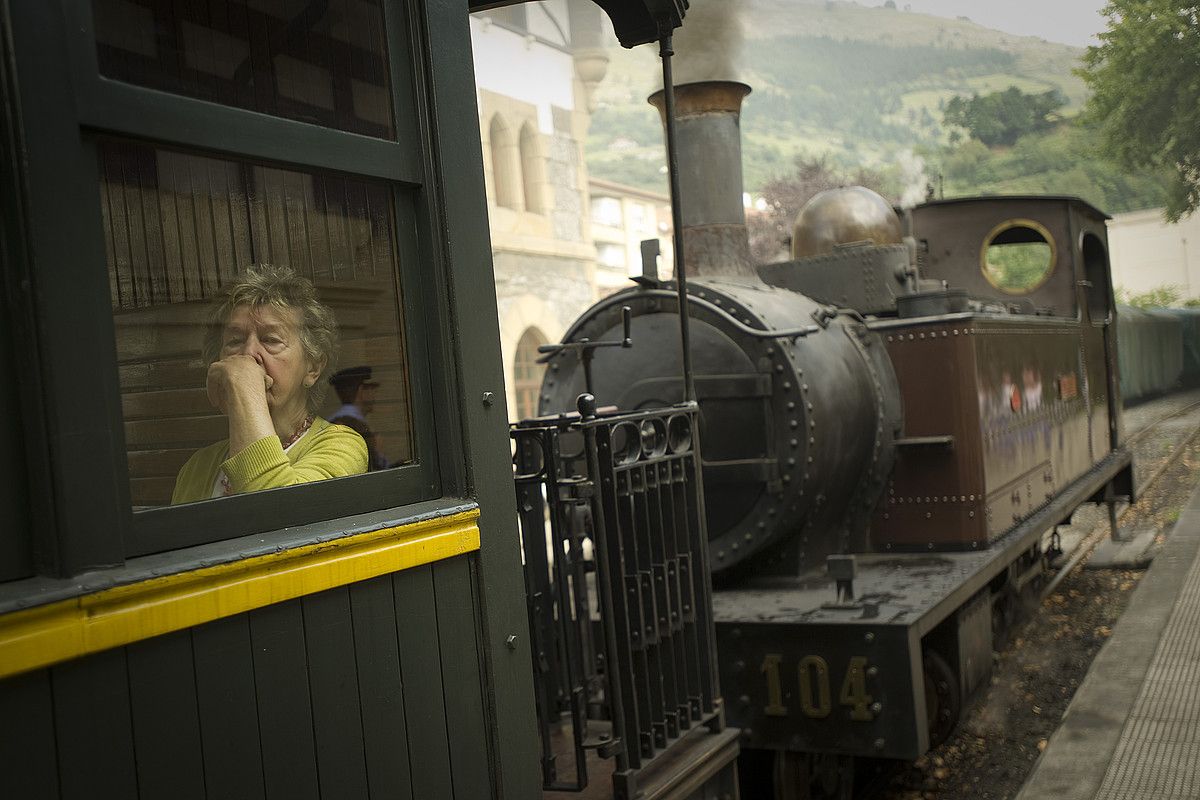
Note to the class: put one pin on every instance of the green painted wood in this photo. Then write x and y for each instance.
(289, 751)
(225, 697)
(381, 690)
(94, 727)
(166, 722)
(420, 666)
(333, 686)
(28, 753)
(16, 539)
(145, 113)
(69, 289)
(461, 207)
(471, 757)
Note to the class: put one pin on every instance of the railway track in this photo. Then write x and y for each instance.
(1185, 405)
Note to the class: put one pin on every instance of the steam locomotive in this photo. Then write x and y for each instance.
(889, 424)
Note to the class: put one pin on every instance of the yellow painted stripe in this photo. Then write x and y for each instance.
(39, 637)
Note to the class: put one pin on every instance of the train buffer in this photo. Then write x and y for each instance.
(1132, 728)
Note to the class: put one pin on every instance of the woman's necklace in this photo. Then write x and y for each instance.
(291, 440)
(296, 434)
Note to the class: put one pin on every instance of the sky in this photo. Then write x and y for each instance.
(1073, 22)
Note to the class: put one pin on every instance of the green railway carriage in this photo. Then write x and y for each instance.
(361, 636)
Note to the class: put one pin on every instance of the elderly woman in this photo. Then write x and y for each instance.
(270, 343)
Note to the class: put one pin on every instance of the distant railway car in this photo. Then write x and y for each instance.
(1151, 350)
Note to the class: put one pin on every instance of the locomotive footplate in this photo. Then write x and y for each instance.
(802, 670)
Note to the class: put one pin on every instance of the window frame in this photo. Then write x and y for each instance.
(1010, 224)
(89, 491)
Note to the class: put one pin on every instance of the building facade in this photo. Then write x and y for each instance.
(536, 66)
(1148, 253)
(622, 218)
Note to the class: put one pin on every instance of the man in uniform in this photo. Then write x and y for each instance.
(356, 390)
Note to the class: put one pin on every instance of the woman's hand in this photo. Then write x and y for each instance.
(235, 381)
(237, 386)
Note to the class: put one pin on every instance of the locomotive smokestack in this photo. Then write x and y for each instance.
(708, 124)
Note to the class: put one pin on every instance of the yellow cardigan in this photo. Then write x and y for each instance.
(326, 451)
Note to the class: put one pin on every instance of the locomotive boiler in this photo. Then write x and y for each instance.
(889, 424)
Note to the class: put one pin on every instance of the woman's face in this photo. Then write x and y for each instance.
(271, 337)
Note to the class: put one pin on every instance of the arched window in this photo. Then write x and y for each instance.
(505, 164)
(532, 171)
(527, 373)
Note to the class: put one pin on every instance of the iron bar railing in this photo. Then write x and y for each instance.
(620, 606)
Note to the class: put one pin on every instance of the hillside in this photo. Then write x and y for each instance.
(857, 83)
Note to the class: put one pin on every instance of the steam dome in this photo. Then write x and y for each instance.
(841, 216)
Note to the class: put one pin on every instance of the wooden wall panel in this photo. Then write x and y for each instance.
(424, 703)
(28, 753)
(284, 703)
(94, 727)
(166, 721)
(454, 585)
(333, 685)
(369, 690)
(225, 693)
(381, 689)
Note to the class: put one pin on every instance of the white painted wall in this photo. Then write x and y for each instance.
(521, 67)
(1147, 253)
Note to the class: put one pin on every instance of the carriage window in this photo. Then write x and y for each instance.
(322, 63)
(246, 296)
(1018, 256)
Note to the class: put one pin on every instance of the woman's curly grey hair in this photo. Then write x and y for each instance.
(281, 288)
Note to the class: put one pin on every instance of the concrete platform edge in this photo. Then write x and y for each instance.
(1074, 763)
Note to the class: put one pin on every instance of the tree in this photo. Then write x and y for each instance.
(1000, 118)
(1145, 81)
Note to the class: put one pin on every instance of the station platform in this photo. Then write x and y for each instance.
(1132, 731)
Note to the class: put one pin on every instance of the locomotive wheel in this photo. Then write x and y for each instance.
(943, 703)
(813, 776)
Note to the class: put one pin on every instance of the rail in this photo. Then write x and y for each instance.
(620, 606)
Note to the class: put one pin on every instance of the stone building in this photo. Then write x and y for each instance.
(622, 218)
(536, 66)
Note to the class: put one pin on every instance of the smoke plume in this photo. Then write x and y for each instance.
(912, 174)
(708, 46)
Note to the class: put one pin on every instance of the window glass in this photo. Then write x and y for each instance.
(1018, 256)
(184, 230)
(322, 63)
(606, 211)
(610, 255)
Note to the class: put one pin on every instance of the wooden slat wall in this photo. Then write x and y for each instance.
(178, 228)
(369, 690)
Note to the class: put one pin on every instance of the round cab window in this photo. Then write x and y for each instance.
(1018, 256)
